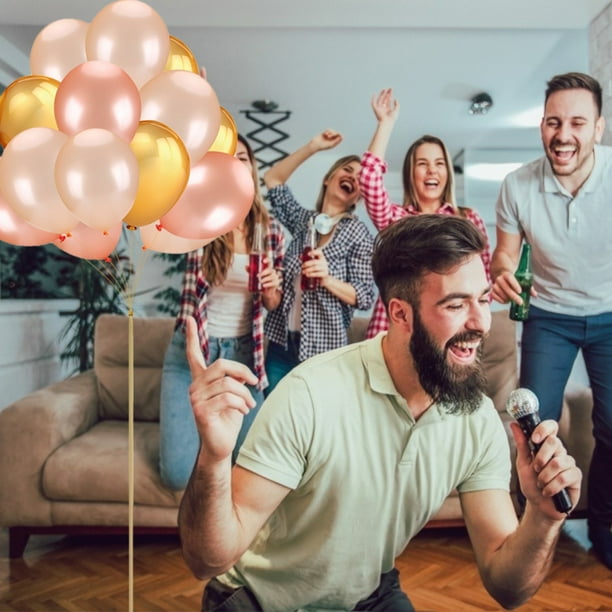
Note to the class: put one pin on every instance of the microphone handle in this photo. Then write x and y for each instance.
(528, 423)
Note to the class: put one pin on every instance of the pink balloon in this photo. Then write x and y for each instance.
(186, 103)
(58, 48)
(14, 230)
(132, 35)
(156, 238)
(218, 196)
(98, 95)
(89, 243)
(27, 180)
(96, 175)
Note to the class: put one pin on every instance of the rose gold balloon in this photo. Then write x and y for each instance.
(96, 174)
(187, 104)
(27, 103)
(131, 35)
(14, 230)
(58, 48)
(27, 180)
(180, 57)
(98, 95)
(154, 237)
(218, 197)
(89, 243)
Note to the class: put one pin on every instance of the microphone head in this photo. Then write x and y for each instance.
(522, 402)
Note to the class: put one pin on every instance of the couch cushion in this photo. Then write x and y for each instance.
(111, 364)
(94, 467)
(499, 359)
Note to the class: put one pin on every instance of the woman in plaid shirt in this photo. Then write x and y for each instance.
(309, 322)
(428, 185)
(230, 325)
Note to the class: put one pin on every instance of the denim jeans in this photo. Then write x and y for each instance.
(550, 343)
(388, 597)
(179, 440)
(280, 361)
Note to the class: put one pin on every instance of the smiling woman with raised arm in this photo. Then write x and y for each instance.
(428, 180)
(328, 270)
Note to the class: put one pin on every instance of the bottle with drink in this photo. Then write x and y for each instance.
(309, 283)
(524, 276)
(256, 258)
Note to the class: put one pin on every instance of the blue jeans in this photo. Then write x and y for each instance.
(280, 361)
(550, 344)
(179, 439)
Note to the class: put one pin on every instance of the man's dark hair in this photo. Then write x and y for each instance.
(575, 80)
(414, 246)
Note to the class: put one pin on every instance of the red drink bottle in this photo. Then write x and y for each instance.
(256, 259)
(309, 283)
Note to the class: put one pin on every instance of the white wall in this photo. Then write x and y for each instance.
(30, 350)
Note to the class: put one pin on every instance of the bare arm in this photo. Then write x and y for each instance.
(222, 509)
(386, 110)
(280, 172)
(514, 559)
(503, 265)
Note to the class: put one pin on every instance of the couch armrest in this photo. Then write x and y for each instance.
(30, 430)
(576, 431)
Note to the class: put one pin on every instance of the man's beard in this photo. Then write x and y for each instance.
(458, 388)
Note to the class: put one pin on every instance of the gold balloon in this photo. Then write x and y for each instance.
(227, 136)
(180, 57)
(26, 103)
(164, 171)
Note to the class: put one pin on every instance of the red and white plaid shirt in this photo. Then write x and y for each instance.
(194, 300)
(383, 212)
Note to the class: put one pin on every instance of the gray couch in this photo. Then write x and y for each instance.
(64, 449)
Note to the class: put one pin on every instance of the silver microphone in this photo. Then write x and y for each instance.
(523, 406)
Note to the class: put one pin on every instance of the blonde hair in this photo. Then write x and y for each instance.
(410, 198)
(218, 254)
(343, 161)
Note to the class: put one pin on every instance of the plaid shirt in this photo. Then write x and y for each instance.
(194, 300)
(383, 212)
(324, 318)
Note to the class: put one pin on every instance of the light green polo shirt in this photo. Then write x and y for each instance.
(571, 242)
(365, 478)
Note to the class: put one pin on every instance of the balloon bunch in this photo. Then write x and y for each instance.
(117, 125)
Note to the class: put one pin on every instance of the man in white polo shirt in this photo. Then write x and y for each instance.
(561, 204)
(357, 448)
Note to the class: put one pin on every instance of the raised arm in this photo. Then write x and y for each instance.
(514, 560)
(222, 509)
(280, 172)
(386, 111)
(373, 166)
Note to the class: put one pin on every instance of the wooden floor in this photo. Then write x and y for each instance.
(437, 571)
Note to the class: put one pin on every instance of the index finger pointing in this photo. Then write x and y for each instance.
(193, 349)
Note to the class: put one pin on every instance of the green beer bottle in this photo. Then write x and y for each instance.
(524, 276)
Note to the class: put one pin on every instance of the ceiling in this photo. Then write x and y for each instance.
(323, 59)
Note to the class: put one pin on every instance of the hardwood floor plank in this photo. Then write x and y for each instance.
(89, 574)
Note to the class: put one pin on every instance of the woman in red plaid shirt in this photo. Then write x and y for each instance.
(229, 320)
(428, 181)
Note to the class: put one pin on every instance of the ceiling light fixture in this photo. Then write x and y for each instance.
(480, 104)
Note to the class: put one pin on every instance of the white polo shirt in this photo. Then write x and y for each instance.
(571, 237)
(365, 477)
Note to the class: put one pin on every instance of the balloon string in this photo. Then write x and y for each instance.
(131, 460)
